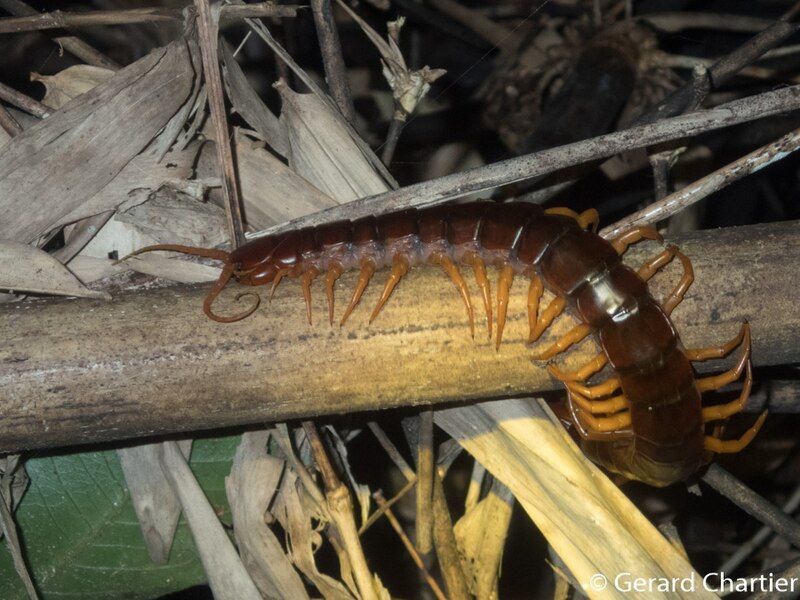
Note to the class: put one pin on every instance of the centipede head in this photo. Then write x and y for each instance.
(259, 261)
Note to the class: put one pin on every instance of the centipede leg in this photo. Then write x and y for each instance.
(713, 444)
(333, 274)
(535, 291)
(562, 211)
(677, 294)
(594, 391)
(553, 310)
(609, 424)
(596, 407)
(723, 411)
(577, 416)
(573, 336)
(582, 374)
(455, 275)
(278, 277)
(483, 283)
(635, 235)
(400, 267)
(503, 288)
(700, 354)
(717, 381)
(367, 271)
(306, 279)
(589, 218)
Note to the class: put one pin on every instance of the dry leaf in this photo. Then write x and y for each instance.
(481, 536)
(578, 509)
(226, 574)
(157, 507)
(322, 150)
(50, 169)
(408, 87)
(71, 82)
(247, 103)
(25, 268)
(253, 482)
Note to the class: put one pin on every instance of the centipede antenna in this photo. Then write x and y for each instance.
(205, 252)
(224, 278)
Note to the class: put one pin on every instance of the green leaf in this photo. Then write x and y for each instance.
(81, 536)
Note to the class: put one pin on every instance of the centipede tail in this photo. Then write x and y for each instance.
(646, 421)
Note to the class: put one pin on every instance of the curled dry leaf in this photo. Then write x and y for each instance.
(577, 508)
(226, 574)
(408, 87)
(251, 486)
(25, 268)
(69, 83)
(322, 150)
(155, 502)
(50, 169)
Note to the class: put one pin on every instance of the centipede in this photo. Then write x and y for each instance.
(645, 422)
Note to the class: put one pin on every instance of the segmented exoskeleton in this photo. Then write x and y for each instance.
(646, 422)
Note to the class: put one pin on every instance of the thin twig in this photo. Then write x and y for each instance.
(761, 536)
(340, 506)
(207, 36)
(528, 166)
(753, 504)
(9, 123)
(379, 499)
(676, 202)
(73, 45)
(23, 102)
(424, 520)
(9, 527)
(377, 514)
(64, 20)
(392, 451)
(390, 145)
(332, 59)
(445, 541)
(724, 69)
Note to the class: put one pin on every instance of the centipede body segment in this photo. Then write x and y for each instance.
(645, 422)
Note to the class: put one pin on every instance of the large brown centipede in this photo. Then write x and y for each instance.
(646, 422)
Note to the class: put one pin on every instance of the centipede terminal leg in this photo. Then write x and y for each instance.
(503, 288)
(574, 336)
(638, 234)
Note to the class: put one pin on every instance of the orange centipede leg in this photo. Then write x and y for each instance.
(717, 381)
(589, 218)
(723, 411)
(732, 446)
(620, 420)
(400, 267)
(635, 235)
(573, 336)
(654, 265)
(503, 288)
(455, 275)
(594, 391)
(332, 275)
(483, 283)
(535, 292)
(676, 296)
(596, 407)
(701, 354)
(306, 279)
(278, 277)
(367, 271)
(582, 374)
(577, 417)
(553, 310)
